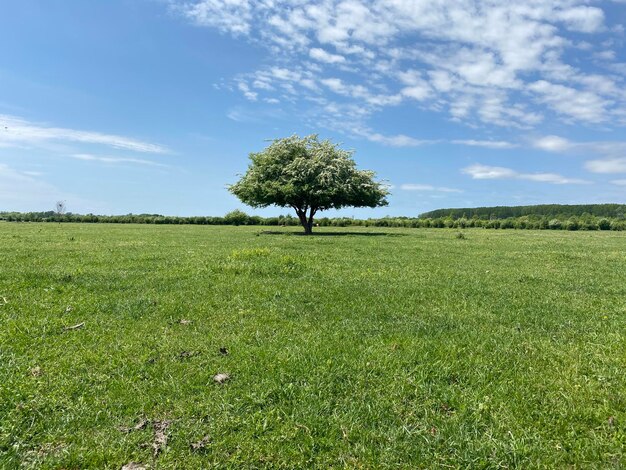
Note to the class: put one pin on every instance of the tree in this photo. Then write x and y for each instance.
(308, 175)
(237, 217)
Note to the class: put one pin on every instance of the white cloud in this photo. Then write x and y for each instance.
(232, 16)
(15, 131)
(582, 18)
(417, 92)
(245, 89)
(360, 92)
(417, 87)
(417, 187)
(612, 152)
(335, 84)
(492, 144)
(354, 128)
(116, 160)
(550, 178)
(483, 172)
(619, 182)
(285, 74)
(552, 143)
(428, 187)
(605, 55)
(254, 115)
(399, 140)
(607, 165)
(323, 56)
(576, 104)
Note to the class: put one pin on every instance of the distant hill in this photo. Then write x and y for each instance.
(549, 210)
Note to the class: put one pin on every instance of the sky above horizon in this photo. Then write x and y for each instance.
(152, 106)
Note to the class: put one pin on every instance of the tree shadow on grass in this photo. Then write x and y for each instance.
(334, 234)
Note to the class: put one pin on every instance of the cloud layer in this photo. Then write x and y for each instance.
(611, 153)
(485, 172)
(15, 131)
(477, 61)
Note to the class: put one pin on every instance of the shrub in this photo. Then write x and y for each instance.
(438, 223)
(237, 217)
(507, 223)
(555, 224)
(572, 224)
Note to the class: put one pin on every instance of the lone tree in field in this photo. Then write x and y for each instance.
(308, 175)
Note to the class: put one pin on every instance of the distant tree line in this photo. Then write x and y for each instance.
(560, 211)
(558, 221)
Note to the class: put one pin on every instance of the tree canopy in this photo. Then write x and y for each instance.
(551, 210)
(308, 175)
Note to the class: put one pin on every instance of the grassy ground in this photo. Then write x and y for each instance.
(380, 348)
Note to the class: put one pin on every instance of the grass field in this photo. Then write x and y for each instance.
(377, 348)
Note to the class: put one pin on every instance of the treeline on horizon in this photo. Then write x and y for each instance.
(603, 217)
(559, 211)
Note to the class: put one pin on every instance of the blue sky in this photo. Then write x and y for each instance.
(153, 106)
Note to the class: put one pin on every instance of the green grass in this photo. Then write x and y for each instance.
(380, 348)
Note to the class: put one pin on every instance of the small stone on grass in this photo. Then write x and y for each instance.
(221, 378)
(134, 466)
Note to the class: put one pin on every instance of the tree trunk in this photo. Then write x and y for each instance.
(310, 221)
(307, 222)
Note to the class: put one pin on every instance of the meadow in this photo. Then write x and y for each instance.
(355, 347)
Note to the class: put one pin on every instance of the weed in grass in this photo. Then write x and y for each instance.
(201, 444)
